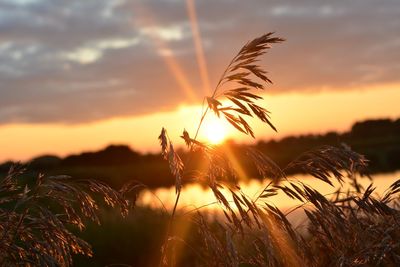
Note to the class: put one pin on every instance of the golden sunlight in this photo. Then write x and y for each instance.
(214, 131)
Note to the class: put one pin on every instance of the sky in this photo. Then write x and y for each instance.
(79, 75)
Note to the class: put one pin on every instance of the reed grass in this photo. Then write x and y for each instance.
(355, 227)
(40, 215)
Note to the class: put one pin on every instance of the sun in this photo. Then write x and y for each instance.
(214, 130)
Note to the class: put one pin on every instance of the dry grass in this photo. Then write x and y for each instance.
(353, 228)
(37, 216)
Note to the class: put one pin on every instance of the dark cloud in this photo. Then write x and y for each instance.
(74, 61)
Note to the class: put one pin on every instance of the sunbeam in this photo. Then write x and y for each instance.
(201, 61)
(146, 19)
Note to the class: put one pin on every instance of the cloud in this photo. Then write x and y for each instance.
(95, 50)
(73, 61)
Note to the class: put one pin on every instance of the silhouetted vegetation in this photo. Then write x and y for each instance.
(38, 213)
(378, 140)
(351, 227)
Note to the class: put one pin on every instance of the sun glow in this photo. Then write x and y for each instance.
(214, 130)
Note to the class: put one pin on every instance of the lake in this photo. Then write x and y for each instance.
(195, 196)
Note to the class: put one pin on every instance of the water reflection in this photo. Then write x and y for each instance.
(195, 196)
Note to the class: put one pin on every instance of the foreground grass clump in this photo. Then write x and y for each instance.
(38, 216)
(355, 227)
(352, 227)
